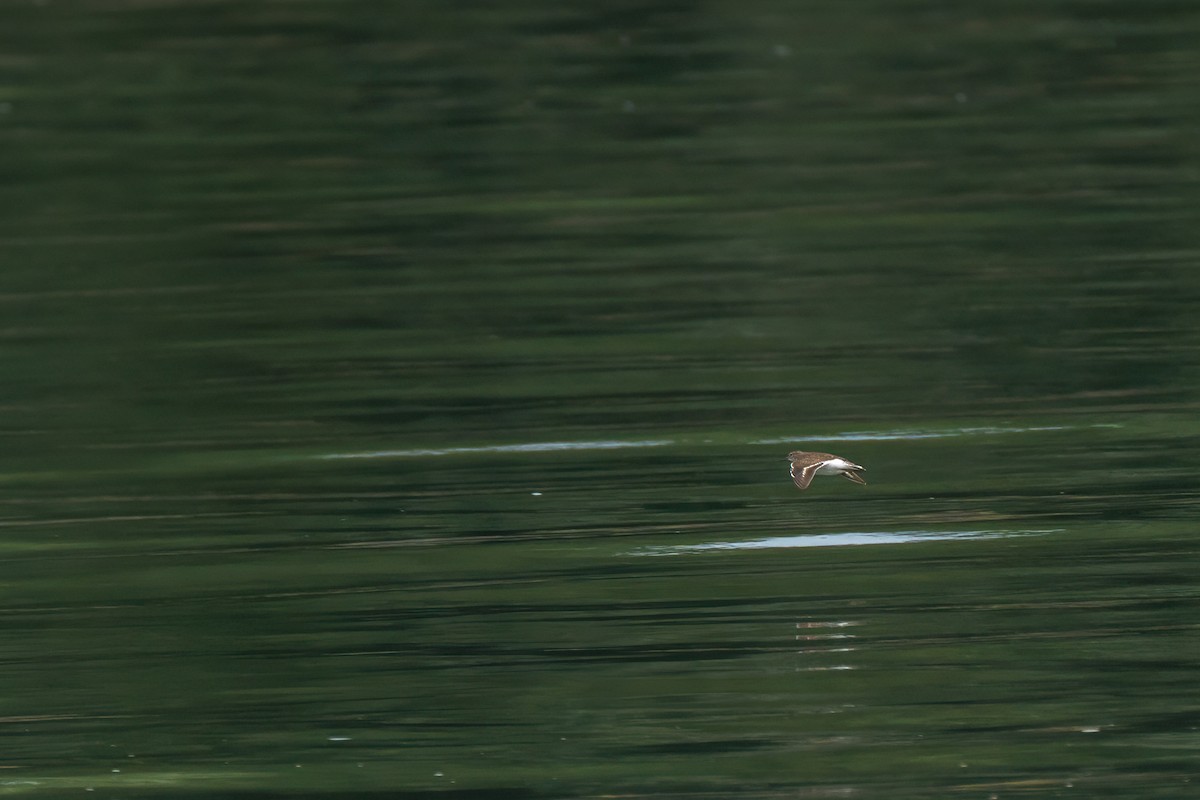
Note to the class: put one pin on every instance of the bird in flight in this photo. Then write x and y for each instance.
(806, 466)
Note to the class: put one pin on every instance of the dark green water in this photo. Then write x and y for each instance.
(395, 399)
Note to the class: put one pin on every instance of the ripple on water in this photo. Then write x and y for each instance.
(847, 539)
(531, 447)
(616, 444)
(947, 433)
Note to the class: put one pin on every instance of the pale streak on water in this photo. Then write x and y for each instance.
(882, 436)
(532, 447)
(848, 539)
(849, 436)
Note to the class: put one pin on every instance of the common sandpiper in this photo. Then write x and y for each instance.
(806, 466)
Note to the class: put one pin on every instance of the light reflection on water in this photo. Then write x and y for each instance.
(616, 444)
(532, 447)
(848, 539)
(877, 436)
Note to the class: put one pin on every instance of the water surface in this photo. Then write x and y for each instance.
(396, 400)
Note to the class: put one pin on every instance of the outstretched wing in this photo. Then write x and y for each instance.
(850, 475)
(802, 475)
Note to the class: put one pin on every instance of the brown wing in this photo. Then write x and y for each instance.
(854, 476)
(802, 475)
